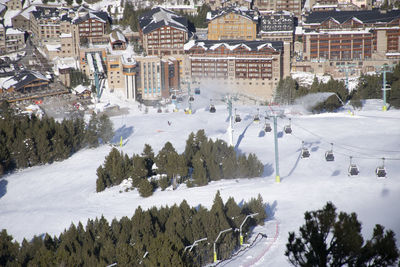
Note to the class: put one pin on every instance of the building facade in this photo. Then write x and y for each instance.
(293, 6)
(252, 68)
(121, 75)
(15, 40)
(364, 39)
(157, 78)
(277, 26)
(12, 4)
(163, 32)
(232, 23)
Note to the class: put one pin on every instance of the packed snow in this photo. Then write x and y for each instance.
(49, 198)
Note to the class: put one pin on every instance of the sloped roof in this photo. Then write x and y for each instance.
(232, 44)
(159, 17)
(23, 78)
(97, 15)
(117, 35)
(366, 16)
(2, 7)
(241, 11)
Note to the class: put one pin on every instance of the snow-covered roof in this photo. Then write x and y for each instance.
(159, 17)
(25, 12)
(23, 78)
(2, 7)
(80, 89)
(53, 47)
(233, 44)
(363, 31)
(116, 35)
(14, 31)
(241, 11)
(65, 35)
(318, 5)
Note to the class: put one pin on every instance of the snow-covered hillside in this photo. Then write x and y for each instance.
(48, 198)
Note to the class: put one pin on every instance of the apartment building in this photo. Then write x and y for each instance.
(217, 4)
(15, 40)
(92, 25)
(364, 38)
(163, 32)
(22, 20)
(12, 4)
(252, 68)
(122, 75)
(293, 6)
(232, 23)
(11, 40)
(157, 78)
(2, 40)
(277, 26)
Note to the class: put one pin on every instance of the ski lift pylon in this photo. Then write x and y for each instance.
(353, 169)
(329, 156)
(380, 171)
(257, 116)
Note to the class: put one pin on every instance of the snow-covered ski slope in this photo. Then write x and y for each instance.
(48, 198)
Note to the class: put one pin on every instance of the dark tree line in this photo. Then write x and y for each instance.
(368, 87)
(331, 239)
(203, 160)
(156, 237)
(27, 141)
(77, 77)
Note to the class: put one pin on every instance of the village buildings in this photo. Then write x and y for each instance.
(248, 46)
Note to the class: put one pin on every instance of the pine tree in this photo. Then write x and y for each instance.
(92, 131)
(8, 249)
(329, 239)
(190, 149)
(145, 188)
(148, 156)
(105, 128)
(199, 174)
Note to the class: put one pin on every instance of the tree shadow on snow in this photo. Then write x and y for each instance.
(241, 136)
(124, 131)
(3, 187)
(268, 170)
(270, 209)
(261, 133)
(335, 173)
(294, 166)
(279, 134)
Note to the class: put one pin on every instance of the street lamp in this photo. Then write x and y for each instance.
(240, 228)
(215, 242)
(194, 244)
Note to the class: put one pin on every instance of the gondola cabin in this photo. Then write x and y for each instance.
(329, 156)
(267, 127)
(237, 118)
(212, 109)
(191, 98)
(256, 118)
(197, 91)
(305, 153)
(173, 97)
(287, 129)
(353, 170)
(380, 171)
